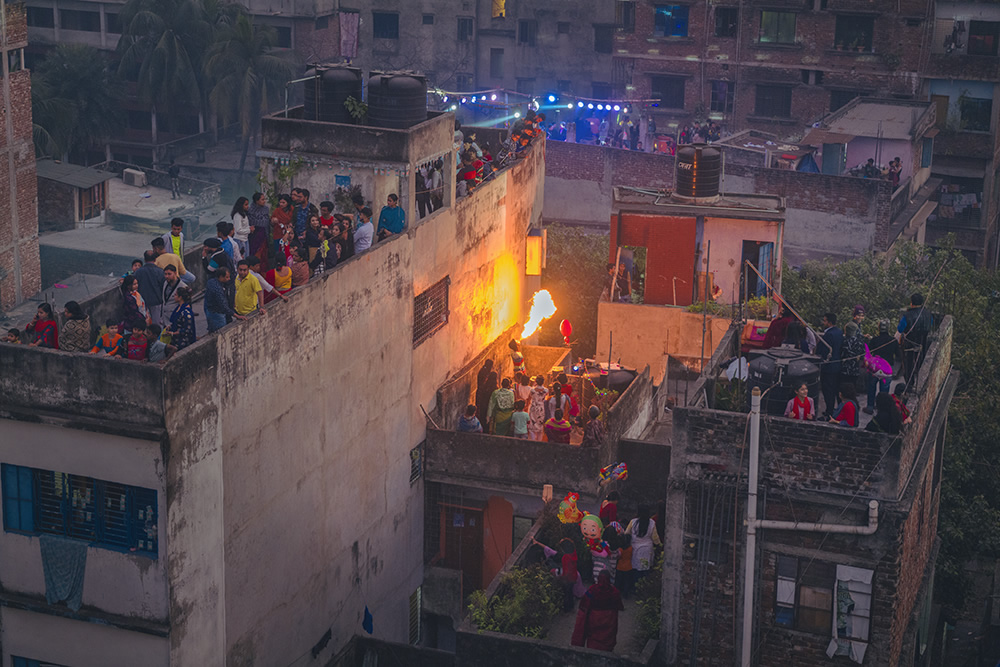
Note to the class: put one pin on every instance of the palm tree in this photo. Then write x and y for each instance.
(75, 101)
(247, 75)
(162, 47)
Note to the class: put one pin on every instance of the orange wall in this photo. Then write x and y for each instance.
(669, 243)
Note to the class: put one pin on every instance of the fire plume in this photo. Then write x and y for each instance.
(542, 308)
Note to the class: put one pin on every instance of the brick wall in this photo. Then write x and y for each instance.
(56, 206)
(805, 456)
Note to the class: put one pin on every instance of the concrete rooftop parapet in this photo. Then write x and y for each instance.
(413, 145)
(510, 464)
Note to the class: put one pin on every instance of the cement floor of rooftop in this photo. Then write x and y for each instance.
(561, 629)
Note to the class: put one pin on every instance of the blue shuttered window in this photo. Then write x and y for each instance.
(104, 514)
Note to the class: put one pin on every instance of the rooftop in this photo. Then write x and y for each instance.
(728, 205)
(71, 174)
(877, 118)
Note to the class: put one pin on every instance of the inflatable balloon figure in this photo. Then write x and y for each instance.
(613, 472)
(566, 329)
(568, 511)
(877, 366)
(592, 528)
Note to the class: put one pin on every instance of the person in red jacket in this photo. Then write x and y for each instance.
(597, 620)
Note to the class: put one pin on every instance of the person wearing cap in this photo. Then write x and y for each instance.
(858, 316)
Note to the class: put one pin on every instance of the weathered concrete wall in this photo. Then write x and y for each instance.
(80, 384)
(509, 464)
(644, 335)
(129, 585)
(315, 477)
(63, 641)
(648, 471)
(367, 651)
(725, 264)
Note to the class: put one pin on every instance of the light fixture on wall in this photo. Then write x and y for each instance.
(534, 253)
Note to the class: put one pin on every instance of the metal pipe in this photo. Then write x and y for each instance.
(839, 528)
(751, 555)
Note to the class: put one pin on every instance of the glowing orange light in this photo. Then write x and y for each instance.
(542, 308)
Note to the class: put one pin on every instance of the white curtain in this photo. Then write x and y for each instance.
(852, 602)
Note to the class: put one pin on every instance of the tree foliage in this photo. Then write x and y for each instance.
(75, 101)
(247, 76)
(575, 275)
(969, 520)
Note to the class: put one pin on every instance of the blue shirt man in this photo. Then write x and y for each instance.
(392, 219)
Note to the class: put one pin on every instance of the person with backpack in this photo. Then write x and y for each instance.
(914, 327)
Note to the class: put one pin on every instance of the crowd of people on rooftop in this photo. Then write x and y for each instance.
(259, 255)
(846, 356)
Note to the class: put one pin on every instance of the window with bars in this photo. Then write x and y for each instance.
(604, 37)
(625, 15)
(416, 463)
(722, 96)
(854, 33)
(414, 634)
(671, 21)
(527, 32)
(105, 514)
(76, 19)
(430, 311)
(727, 21)
(466, 29)
(777, 27)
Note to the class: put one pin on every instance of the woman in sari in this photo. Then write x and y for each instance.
(486, 384)
(76, 329)
(181, 329)
(501, 408)
(281, 219)
(281, 277)
(134, 311)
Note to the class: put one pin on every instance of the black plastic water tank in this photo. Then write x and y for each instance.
(782, 370)
(396, 100)
(699, 168)
(325, 95)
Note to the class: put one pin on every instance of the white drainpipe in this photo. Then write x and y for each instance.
(753, 523)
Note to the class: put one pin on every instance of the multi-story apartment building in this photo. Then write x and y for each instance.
(778, 66)
(20, 272)
(253, 499)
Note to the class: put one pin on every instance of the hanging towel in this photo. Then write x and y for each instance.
(64, 562)
(853, 596)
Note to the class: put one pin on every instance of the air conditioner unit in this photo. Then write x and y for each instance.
(134, 177)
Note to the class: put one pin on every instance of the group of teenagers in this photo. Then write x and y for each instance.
(620, 554)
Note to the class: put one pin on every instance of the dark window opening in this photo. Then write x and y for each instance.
(601, 91)
(466, 29)
(976, 114)
(777, 27)
(604, 37)
(983, 38)
(73, 19)
(527, 32)
(139, 120)
(385, 25)
(671, 21)
(813, 77)
(564, 86)
(854, 33)
(625, 15)
(727, 21)
(773, 102)
(723, 93)
(430, 311)
(41, 17)
(428, 19)
(283, 37)
(463, 81)
(113, 23)
(496, 63)
(526, 86)
(321, 23)
(669, 90)
(839, 98)
(563, 27)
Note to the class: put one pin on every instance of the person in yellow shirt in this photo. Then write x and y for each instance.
(165, 259)
(249, 294)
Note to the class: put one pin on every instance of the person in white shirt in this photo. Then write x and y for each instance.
(241, 224)
(365, 232)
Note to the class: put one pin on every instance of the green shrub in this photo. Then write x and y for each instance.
(648, 593)
(526, 600)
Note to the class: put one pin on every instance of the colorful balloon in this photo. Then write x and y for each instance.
(568, 511)
(566, 329)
